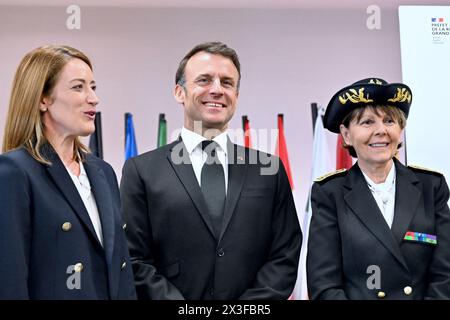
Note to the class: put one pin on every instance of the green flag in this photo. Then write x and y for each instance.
(162, 130)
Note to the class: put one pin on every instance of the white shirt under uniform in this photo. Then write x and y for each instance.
(384, 194)
(198, 157)
(84, 189)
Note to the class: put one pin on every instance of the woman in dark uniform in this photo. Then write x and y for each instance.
(379, 230)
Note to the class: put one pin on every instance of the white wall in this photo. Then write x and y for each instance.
(426, 68)
(289, 59)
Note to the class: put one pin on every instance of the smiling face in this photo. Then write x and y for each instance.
(375, 136)
(69, 111)
(210, 92)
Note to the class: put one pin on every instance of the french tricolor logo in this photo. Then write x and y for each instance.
(437, 19)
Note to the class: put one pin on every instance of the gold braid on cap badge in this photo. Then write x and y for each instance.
(355, 97)
(402, 95)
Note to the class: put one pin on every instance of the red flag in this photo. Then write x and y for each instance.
(246, 126)
(281, 149)
(343, 158)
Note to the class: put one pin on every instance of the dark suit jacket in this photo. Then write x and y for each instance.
(348, 234)
(174, 251)
(36, 200)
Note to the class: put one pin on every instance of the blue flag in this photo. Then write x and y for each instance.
(130, 139)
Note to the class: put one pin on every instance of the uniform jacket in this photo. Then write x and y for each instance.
(174, 251)
(349, 240)
(46, 233)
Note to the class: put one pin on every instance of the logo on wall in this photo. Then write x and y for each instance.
(440, 30)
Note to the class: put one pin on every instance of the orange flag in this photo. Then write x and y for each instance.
(281, 149)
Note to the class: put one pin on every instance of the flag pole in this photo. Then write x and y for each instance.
(314, 115)
(98, 131)
(246, 128)
(162, 130)
(125, 128)
(244, 121)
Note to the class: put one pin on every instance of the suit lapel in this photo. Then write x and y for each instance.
(407, 195)
(178, 158)
(62, 180)
(237, 170)
(362, 203)
(104, 201)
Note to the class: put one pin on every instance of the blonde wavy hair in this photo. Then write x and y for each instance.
(35, 78)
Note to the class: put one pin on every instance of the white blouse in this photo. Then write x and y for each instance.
(84, 189)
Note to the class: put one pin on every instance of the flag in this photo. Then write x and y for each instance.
(162, 130)
(95, 140)
(321, 164)
(343, 158)
(246, 127)
(130, 139)
(437, 19)
(281, 149)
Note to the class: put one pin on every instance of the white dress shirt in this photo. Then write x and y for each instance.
(198, 157)
(84, 189)
(384, 194)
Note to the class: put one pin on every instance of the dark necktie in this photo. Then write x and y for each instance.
(213, 185)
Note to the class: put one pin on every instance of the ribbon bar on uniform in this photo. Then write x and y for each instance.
(420, 237)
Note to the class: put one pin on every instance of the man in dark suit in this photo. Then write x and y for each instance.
(208, 219)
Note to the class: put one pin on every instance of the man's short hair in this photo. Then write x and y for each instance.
(210, 47)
